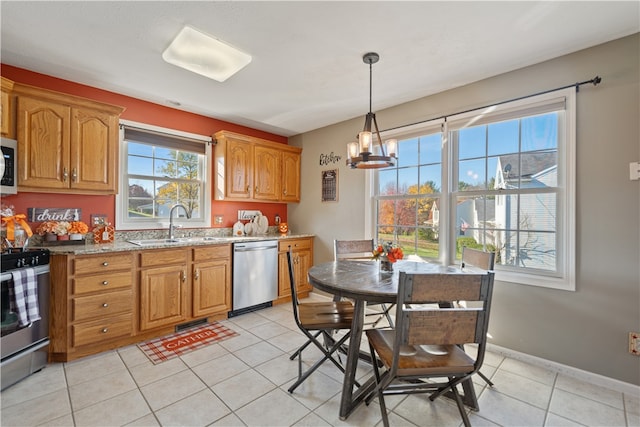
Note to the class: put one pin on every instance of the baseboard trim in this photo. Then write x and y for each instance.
(590, 377)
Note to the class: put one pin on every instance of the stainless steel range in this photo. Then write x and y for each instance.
(25, 347)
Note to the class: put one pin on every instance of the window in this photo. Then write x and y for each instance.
(162, 167)
(408, 195)
(499, 178)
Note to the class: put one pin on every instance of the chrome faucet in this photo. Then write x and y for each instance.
(171, 226)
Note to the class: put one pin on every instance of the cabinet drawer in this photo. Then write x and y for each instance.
(102, 330)
(102, 305)
(164, 257)
(211, 252)
(102, 263)
(296, 244)
(102, 282)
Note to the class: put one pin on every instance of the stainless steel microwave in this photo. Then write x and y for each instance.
(9, 166)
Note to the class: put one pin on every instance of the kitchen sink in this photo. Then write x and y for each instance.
(177, 240)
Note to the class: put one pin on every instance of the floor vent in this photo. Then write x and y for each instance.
(191, 324)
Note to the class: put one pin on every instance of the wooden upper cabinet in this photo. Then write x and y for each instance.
(66, 143)
(254, 169)
(7, 125)
(266, 173)
(94, 150)
(238, 164)
(290, 176)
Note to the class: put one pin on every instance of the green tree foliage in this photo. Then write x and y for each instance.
(183, 168)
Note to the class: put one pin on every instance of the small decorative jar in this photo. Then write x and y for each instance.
(50, 237)
(283, 228)
(386, 266)
(63, 237)
(75, 236)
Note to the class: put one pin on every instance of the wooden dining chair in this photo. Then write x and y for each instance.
(362, 250)
(319, 320)
(479, 259)
(427, 343)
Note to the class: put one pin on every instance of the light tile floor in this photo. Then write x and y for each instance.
(243, 381)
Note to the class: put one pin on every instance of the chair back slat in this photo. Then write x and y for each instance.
(444, 287)
(441, 327)
(477, 258)
(352, 249)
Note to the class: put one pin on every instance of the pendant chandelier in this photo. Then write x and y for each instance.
(363, 154)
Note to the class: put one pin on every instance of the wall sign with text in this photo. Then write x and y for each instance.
(53, 214)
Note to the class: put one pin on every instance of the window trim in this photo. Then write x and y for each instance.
(565, 277)
(159, 223)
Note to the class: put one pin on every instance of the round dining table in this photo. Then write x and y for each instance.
(363, 282)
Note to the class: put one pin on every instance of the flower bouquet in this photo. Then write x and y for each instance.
(387, 253)
(77, 230)
(62, 230)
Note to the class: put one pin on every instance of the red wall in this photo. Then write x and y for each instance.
(138, 111)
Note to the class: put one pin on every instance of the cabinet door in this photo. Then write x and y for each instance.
(266, 173)
(302, 266)
(290, 177)
(239, 165)
(94, 148)
(6, 123)
(163, 296)
(284, 289)
(211, 288)
(43, 143)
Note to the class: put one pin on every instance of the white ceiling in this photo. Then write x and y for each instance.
(307, 70)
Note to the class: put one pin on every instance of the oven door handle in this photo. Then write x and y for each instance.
(40, 269)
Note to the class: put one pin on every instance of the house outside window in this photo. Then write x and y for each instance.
(161, 168)
(508, 188)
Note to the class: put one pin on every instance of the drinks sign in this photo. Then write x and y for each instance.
(53, 214)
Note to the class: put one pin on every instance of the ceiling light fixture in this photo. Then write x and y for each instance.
(200, 53)
(364, 154)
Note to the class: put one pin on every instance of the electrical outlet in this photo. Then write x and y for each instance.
(634, 343)
(217, 219)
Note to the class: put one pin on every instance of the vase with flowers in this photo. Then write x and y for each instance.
(387, 253)
(62, 230)
(77, 230)
(47, 229)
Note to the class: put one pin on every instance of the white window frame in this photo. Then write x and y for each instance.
(122, 220)
(564, 278)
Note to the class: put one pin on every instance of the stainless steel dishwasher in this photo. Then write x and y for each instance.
(255, 275)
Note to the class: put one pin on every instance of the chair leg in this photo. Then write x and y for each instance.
(487, 380)
(385, 313)
(378, 390)
(328, 355)
(299, 351)
(463, 412)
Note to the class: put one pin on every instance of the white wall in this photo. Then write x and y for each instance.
(587, 329)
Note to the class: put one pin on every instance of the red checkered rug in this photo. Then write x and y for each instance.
(160, 349)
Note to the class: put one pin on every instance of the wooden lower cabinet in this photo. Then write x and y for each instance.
(92, 303)
(302, 257)
(211, 280)
(164, 281)
(106, 301)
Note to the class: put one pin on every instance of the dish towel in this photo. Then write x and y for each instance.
(23, 296)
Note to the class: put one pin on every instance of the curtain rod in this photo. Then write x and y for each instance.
(596, 81)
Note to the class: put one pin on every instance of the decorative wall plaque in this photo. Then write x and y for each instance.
(330, 185)
(53, 214)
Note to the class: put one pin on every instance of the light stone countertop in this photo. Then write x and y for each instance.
(87, 248)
